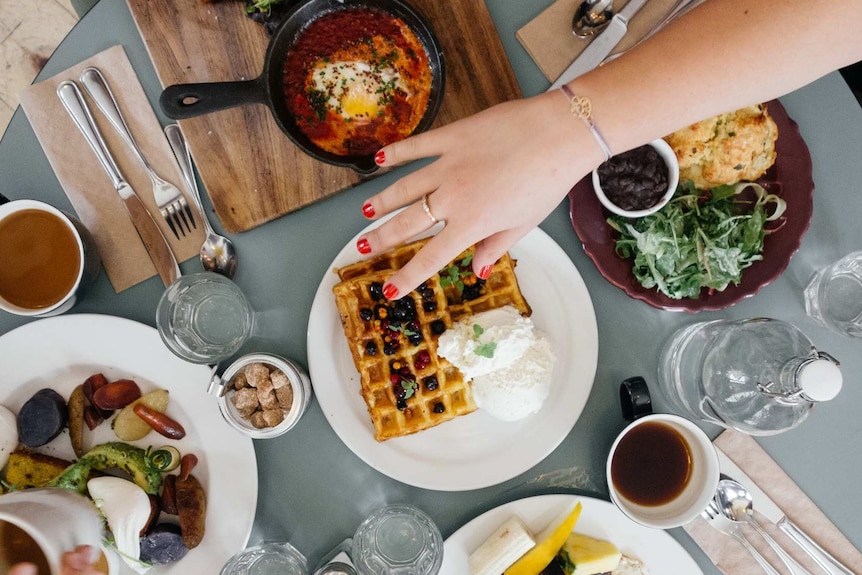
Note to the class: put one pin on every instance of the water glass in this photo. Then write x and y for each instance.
(267, 559)
(397, 539)
(834, 295)
(204, 318)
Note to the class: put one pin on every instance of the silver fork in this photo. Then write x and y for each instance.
(172, 204)
(722, 524)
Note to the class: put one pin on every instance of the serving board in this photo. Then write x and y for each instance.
(251, 170)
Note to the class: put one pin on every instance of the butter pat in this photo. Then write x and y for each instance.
(505, 546)
(583, 555)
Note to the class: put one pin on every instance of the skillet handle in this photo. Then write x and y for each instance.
(182, 101)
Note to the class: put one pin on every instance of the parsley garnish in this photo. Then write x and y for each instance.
(409, 387)
(318, 101)
(454, 275)
(483, 349)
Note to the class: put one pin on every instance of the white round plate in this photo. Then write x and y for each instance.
(659, 552)
(475, 450)
(61, 352)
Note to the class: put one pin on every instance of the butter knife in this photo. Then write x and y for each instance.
(601, 45)
(154, 241)
(767, 507)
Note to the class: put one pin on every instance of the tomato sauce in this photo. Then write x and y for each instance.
(357, 79)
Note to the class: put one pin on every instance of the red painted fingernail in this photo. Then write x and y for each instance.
(485, 272)
(390, 291)
(368, 210)
(380, 157)
(363, 246)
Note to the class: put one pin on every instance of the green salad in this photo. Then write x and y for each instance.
(698, 239)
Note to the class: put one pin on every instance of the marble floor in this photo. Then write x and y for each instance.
(29, 32)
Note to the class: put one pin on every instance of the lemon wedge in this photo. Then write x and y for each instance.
(549, 543)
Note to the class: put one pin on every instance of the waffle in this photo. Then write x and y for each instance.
(405, 385)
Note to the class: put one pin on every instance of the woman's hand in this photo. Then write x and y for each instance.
(77, 562)
(497, 175)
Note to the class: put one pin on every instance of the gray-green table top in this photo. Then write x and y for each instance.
(313, 490)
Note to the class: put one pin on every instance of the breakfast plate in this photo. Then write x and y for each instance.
(656, 549)
(790, 177)
(475, 450)
(61, 352)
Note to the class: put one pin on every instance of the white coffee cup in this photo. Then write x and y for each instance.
(660, 498)
(57, 520)
(88, 260)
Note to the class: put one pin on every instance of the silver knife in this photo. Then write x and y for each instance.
(601, 45)
(154, 241)
(766, 506)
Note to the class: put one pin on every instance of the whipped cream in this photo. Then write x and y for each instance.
(508, 359)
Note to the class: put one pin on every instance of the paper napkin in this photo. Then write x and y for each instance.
(549, 40)
(730, 557)
(87, 185)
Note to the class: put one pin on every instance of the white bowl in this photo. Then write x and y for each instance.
(299, 381)
(666, 152)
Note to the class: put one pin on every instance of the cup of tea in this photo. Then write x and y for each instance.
(39, 525)
(662, 469)
(48, 259)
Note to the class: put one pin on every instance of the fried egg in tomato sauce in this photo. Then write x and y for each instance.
(357, 79)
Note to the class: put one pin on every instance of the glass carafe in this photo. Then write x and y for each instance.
(759, 376)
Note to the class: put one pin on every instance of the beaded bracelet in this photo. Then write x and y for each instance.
(582, 108)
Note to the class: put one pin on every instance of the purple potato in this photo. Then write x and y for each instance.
(42, 418)
(163, 544)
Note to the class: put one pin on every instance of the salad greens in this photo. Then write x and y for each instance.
(696, 242)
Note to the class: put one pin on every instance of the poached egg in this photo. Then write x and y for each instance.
(355, 89)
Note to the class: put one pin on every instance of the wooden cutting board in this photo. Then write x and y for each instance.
(251, 170)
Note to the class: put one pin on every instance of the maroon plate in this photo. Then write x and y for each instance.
(789, 177)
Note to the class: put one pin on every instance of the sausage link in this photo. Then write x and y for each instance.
(163, 424)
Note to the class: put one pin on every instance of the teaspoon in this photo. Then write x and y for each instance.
(591, 17)
(218, 253)
(735, 503)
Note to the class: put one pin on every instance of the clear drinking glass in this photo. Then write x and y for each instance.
(204, 318)
(397, 539)
(834, 295)
(267, 559)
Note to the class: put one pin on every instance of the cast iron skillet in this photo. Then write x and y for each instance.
(182, 101)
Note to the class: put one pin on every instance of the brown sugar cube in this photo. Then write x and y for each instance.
(264, 386)
(239, 381)
(285, 397)
(278, 378)
(273, 416)
(245, 400)
(255, 373)
(257, 420)
(268, 400)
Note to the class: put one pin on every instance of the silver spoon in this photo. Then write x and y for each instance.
(591, 17)
(736, 504)
(218, 253)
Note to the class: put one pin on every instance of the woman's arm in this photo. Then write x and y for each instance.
(500, 172)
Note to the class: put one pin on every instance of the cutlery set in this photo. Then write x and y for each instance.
(732, 507)
(599, 49)
(172, 205)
